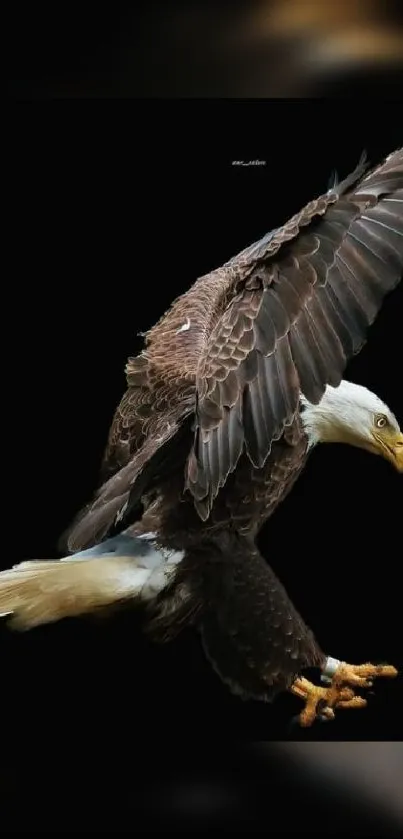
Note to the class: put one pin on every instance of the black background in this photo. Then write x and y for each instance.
(114, 210)
(188, 48)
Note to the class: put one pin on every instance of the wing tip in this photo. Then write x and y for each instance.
(355, 176)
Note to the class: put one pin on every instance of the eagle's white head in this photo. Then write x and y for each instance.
(353, 414)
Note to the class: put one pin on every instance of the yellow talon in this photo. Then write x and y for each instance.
(321, 701)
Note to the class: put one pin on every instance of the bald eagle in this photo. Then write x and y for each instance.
(235, 385)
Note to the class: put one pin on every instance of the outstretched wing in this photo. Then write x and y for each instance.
(309, 294)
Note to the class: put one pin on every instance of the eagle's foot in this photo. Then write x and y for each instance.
(340, 679)
(361, 675)
(320, 701)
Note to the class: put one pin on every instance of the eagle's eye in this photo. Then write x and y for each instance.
(381, 421)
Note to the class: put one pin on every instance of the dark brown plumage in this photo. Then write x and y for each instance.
(286, 313)
(208, 438)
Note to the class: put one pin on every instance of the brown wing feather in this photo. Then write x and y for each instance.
(147, 422)
(295, 321)
(130, 422)
(285, 314)
(111, 501)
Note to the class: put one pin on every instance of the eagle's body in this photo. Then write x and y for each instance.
(249, 496)
(237, 381)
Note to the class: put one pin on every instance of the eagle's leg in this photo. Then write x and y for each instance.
(340, 679)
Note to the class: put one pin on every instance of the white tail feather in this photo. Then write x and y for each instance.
(38, 592)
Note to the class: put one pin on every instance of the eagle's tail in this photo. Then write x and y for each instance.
(38, 592)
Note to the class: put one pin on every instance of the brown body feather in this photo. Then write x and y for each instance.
(208, 436)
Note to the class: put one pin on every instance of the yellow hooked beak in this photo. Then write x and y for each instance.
(391, 446)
